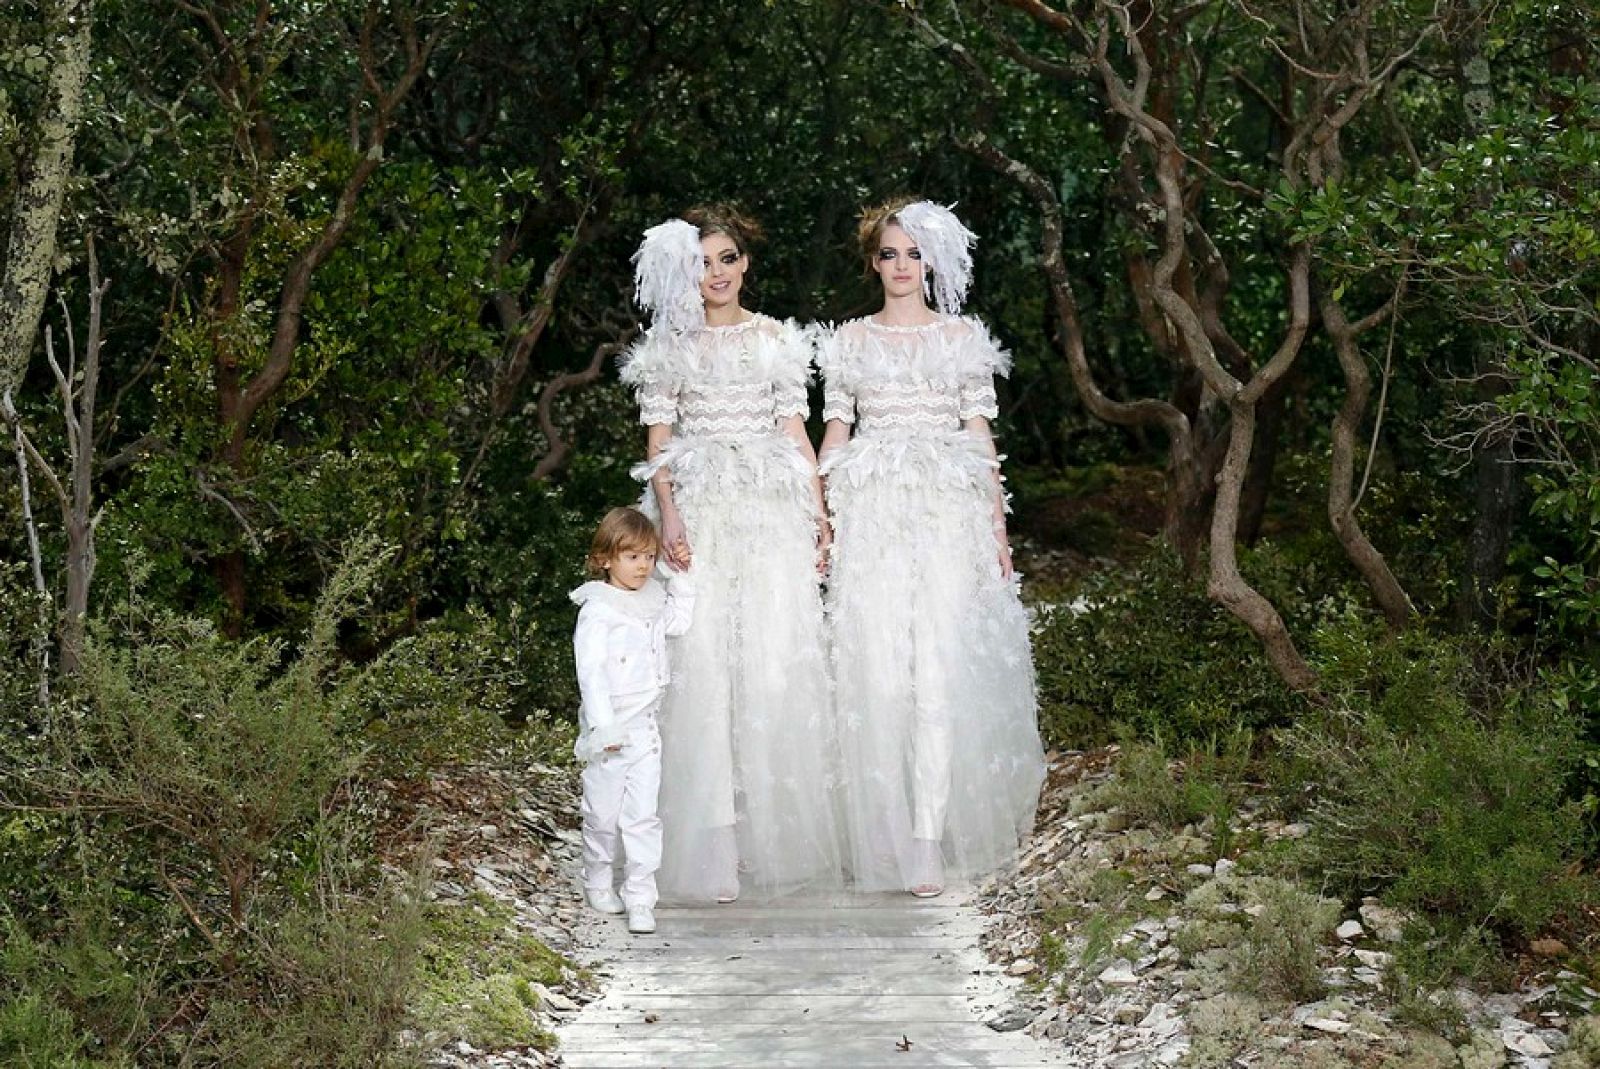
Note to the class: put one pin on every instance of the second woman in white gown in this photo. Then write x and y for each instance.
(748, 769)
(934, 679)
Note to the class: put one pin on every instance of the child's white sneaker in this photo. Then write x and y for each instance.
(641, 920)
(603, 900)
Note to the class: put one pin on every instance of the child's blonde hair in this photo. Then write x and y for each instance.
(622, 529)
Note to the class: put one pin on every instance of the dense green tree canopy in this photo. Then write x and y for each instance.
(1306, 292)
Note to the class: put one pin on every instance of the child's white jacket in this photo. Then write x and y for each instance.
(620, 646)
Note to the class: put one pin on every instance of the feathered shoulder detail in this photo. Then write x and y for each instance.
(761, 349)
(947, 350)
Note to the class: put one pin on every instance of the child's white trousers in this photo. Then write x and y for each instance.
(619, 803)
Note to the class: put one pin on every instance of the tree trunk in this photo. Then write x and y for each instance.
(80, 517)
(1497, 497)
(36, 207)
(1263, 462)
(1497, 481)
(1227, 585)
(1187, 511)
(1380, 579)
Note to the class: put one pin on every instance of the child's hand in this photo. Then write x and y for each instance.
(615, 747)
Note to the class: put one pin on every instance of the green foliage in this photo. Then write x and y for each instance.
(329, 987)
(1431, 958)
(1453, 806)
(1557, 402)
(1152, 788)
(1278, 954)
(1146, 649)
(37, 1031)
(441, 696)
(201, 884)
(478, 972)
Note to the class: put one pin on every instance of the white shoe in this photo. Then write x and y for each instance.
(603, 900)
(641, 920)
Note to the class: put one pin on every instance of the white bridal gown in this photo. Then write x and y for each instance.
(749, 765)
(933, 673)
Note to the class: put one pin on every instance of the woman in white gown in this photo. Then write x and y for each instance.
(748, 751)
(934, 677)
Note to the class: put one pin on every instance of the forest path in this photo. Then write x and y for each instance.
(864, 981)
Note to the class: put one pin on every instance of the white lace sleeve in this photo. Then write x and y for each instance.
(792, 373)
(838, 399)
(983, 360)
(648, 368)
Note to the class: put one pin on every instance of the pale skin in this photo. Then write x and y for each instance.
(899, 267)
(720, 286)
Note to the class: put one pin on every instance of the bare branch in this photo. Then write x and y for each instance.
(1044, 14)
(21, 448)
(558, 450)
(212, 493)
(1377, 418)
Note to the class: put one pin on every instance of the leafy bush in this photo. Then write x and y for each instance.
(1146, 649)
(327, 986)
(1430, 960)
(442, 695)
(1455, 806)
(1278, 955)
(1153, 789)
(200, 890)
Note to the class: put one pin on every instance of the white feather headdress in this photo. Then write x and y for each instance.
(666, 275)
(946, 248)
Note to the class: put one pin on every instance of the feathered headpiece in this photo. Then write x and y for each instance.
(666, 275)
(946, 248)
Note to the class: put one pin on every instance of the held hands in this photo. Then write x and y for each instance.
(675, 543)
(824, 547)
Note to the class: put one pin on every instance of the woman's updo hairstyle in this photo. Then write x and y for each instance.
(869, 230)
(725, 219)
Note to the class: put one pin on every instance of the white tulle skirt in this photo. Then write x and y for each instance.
(749, 785)
(934, 682)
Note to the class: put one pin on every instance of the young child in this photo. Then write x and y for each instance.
(621, 649)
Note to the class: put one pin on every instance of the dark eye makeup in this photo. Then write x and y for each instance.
(890, 254)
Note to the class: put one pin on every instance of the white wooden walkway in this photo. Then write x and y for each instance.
(864, 982)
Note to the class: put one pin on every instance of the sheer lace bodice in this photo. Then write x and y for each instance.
(889, 380)
(933, 682)
(747, 775)
(721, 382)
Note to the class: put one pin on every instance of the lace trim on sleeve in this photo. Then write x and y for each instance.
(838, 397)
(985, 360)
(791, 371)
(658, 403)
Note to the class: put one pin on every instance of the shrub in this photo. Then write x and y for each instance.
(1278, 955)
(1147, 650)
(443, 695)
(1452, 807)
(201, 845)
(1153, 789)
(327, 985)
(1431, 958)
